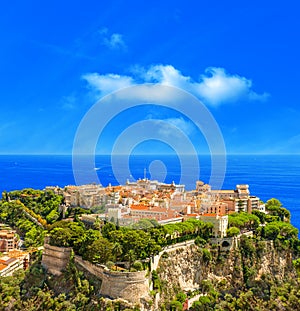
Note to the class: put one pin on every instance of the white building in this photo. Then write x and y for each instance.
(220, 224)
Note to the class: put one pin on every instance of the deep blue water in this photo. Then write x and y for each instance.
(267, 175)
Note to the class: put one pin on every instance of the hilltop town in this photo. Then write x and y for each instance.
(126, 205)
(166, 203)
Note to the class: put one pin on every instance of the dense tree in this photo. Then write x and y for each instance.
(89, 237)
(144, 224)
(107, 229)
(68, 234)
(260, 215)
(274, 207)
(33, 237)
(200, 241)
(38, 201)
(60, 237)
(273, 203)
(52, 216)
(243, 220)
(100, 251)
(279, 229)
(14, 214)
(233, 231)
(247, 246)
(296, 264)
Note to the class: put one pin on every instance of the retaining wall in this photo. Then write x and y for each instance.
(131, 286)
(55, 259)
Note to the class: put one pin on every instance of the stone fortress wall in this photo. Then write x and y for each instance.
(130, 286)
(55, 259)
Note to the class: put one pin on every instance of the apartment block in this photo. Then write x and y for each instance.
(220, 224)
(9, 240)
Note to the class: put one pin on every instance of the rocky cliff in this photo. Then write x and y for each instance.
(191, 268)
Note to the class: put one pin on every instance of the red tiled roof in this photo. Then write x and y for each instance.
(139, 207)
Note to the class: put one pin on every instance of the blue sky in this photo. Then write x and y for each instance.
(240, 58)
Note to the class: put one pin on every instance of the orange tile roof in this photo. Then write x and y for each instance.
(209, 215)
(2, 266)
(139, 207)
(117, 187)
(16, 253)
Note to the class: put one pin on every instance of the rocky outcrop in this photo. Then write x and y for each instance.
(185, 268)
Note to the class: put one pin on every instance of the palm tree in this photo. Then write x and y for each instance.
(130, 256)
(117, 250)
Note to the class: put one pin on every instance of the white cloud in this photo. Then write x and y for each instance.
(114, 41)
(105, 84)
(166, 75)
(68, 102)
(214, 87)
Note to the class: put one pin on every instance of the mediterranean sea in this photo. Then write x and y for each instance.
(268, 176)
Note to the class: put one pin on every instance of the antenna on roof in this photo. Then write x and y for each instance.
(145, 173)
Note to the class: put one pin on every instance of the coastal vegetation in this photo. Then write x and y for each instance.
(29, 212)
(36, 214)
(113, 243)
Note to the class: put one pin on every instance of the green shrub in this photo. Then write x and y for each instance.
(206, 255)
(176, 305)
(138, 266)
(165, 255)
(110, 265)
(181, 296)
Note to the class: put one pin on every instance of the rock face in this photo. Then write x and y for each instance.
(185, 269)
